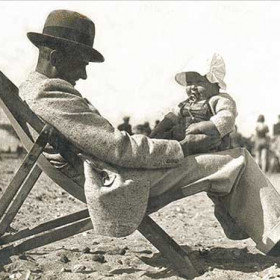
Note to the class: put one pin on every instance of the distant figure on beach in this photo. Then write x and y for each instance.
(261, 143)
(125, 126)
(274, 161)
(147, 128)
(276, 128)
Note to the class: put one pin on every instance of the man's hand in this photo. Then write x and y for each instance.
(204, 127)
(199, 143)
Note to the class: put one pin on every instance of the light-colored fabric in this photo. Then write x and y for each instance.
(225, 112)
(255, 204)
(217, 71)
(59, 104)
(220, 169)
(238, 184)
(116, 202)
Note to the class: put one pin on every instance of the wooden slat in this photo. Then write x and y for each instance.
(45, 227)
(19, 199)
(168, 247)
(47, 238)
(9, 96)
(24, 169)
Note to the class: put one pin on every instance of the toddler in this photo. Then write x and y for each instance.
(205, 111)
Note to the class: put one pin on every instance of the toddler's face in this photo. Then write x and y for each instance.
(199, 87)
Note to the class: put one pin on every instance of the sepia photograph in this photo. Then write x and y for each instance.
(139, 140)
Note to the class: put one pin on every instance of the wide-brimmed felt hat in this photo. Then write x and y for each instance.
(66, 29)
(213, 67)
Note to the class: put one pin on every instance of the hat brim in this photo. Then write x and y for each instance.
(39, 39)
(181, 78)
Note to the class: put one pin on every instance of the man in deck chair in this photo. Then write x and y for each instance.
(121, 171)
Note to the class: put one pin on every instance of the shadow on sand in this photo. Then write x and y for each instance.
(220, 258)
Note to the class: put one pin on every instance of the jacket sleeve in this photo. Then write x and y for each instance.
(168, 122)
(59, 104)
(224, 109)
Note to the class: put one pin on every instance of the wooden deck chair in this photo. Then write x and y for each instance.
(34, 163)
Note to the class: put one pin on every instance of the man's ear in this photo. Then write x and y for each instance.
(55, 57)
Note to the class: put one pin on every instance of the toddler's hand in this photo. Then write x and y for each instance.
(204, 127)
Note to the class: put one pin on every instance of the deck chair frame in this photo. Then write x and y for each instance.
(34, 163)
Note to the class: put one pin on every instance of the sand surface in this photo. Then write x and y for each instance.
(189, 221)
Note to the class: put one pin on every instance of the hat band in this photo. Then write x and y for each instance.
(69, 34)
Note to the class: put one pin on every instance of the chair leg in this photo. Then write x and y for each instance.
(19, 199)
(168, 247)
(24, 169)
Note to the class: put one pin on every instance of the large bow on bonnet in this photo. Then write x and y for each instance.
(213, 68)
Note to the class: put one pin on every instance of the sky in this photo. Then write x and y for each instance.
(145, 43)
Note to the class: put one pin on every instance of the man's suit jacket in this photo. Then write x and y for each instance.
(58, 103)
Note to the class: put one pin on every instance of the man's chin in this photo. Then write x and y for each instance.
(73, 83)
